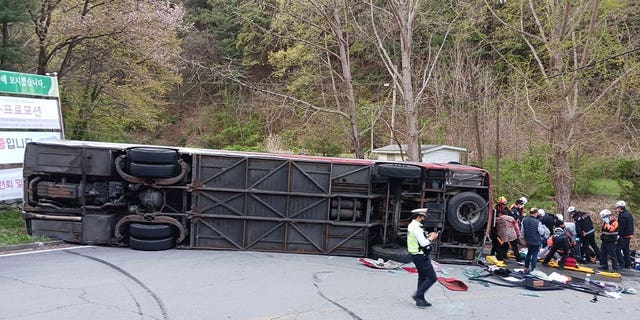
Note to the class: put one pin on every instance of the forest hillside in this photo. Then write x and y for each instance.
(544, 94)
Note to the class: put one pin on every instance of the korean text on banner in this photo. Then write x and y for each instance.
(11, 184)
(28, 113)
(13, 143)
(30, 84)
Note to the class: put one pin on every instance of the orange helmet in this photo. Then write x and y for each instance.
(501, 200)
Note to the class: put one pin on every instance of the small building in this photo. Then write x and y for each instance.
(429, 153)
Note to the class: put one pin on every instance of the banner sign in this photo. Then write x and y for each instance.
(12, 144)
(28, 113)
(31, 84)
(11, 184)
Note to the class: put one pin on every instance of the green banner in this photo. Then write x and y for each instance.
(31, 84)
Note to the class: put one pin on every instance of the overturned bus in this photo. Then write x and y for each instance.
(156, 198)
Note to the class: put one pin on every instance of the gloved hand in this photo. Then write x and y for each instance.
(606, 220)
(577, 239)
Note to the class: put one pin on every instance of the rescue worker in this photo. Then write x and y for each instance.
(508, 231)
(574, 251)
(559, 242)
(608, 237)
(625, 231)
(501, 206)
(548, 220)
(586, 234)
(517, 209)
(532, 232)
(419, 246)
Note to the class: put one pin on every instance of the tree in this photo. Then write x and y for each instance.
(115, 59)
(569, 62)
(413, 72)
(12, 12)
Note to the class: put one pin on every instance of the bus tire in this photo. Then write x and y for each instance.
(154, 170)
(395, 253)
(467, 212)
(150, 231)
(151, 245)
(152, 155)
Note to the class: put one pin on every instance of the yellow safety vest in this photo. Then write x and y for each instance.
(412, 243)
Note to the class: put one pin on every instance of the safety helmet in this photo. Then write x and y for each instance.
(501, 200)
(560, 217)
(541, 212)
(571, 209)
(605, 213)
(621, 203)
(524, 200)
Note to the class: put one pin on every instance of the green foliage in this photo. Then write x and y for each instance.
(323, 145)
(13, 230)
(526, 177)
(628, 176)
(235, 131)
(12, 12)
(593, 174)
(238, 27)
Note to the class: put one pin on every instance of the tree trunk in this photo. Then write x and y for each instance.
(345, 64)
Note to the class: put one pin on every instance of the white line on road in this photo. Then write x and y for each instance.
(41, 251)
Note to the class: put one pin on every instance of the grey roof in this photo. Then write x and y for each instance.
(425, 148)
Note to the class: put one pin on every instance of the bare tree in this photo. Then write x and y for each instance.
(566, 41)
(412, 73)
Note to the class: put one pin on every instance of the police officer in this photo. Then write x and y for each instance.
(419, 246)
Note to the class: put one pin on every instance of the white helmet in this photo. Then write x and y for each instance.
(524, 200)
(541, 212)
(605, 213)
(571, 209)
(560, 217)
(621, 203)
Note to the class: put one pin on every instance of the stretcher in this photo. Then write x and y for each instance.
(494, 261)
(554, 264)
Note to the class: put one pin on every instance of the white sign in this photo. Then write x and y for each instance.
(11, 184)
(12, 143)
(29, 113)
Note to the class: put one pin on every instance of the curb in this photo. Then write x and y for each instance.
(30, 246)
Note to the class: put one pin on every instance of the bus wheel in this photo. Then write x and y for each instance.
(151, 245)
(150, 231)
(467, 212)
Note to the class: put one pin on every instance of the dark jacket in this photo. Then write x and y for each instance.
(530, 231)
(516, 212)
(584, 225)
(548, 220)
(625, 224)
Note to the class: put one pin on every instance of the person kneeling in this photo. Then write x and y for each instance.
(559, 242)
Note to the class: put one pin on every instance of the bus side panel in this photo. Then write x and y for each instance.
(274, 204)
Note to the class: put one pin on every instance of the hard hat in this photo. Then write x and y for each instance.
(560, 216)
(541, 212)
(523, 199)
(571, 209)
(501, 200)
(621, 203)
(605, 213)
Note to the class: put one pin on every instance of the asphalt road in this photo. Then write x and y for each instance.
(117, 283)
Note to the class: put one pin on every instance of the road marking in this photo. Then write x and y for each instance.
(41, 251)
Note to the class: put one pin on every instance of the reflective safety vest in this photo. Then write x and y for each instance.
(412, 242)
